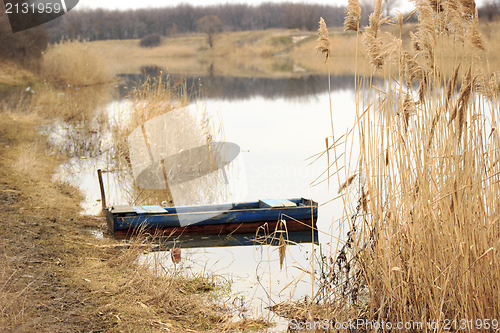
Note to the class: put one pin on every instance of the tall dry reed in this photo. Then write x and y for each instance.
(423, 244)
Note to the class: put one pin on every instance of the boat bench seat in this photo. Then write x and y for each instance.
(120, 209)
(276, 203)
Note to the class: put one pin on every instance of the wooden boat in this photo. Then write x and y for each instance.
(234, 218)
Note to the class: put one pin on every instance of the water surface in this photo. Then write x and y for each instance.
(278, 125)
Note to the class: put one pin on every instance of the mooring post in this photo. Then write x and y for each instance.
(101, 185)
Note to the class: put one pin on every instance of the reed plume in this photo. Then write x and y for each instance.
(353, 15)
(452, 84)
(323, 43)
(435, 120)
(282, 249)
(372, 40)
(412, 70)
(475, 35)
(281, 229)
(400, 19)
(423, 88)
(469, 8)
(463, 101)
(453, 17)
(424, 40)
(407, 109)
(347, 183)
(493, 87)
(436, 5)
(323, 46)
(364, 199)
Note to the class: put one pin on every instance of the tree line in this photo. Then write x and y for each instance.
(100, 24)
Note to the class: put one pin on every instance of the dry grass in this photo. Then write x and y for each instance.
(12, 74)
(269, 53)
(151, 296)
(428, 250)
(75, 63)
(153, 98)
(27, 197)
(69, 104)
(424, 215)
(27, 160)
(246, 53)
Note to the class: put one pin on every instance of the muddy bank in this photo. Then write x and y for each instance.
(39, 227)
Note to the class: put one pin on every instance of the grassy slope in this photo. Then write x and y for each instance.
(248, 53)
(270, 53)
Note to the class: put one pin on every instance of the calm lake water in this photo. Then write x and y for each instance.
(278, 125)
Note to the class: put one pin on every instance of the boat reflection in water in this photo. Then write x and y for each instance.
(207, 241)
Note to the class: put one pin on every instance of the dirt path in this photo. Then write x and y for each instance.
(39, 226)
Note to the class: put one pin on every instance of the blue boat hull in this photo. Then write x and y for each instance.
(300, 215)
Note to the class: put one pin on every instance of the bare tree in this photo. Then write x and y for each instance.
(209, 24)
(151, 40)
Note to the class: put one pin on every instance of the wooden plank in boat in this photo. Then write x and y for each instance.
(153, 209)
(122, 209)
(276, 203)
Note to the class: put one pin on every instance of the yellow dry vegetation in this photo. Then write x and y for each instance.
(421, 197)
(12, 74)
(75, 63)
(269, 53)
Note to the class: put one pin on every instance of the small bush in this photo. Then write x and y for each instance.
(152, 40)
(74, 63)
